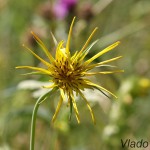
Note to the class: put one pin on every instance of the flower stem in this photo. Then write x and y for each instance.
(34, 115)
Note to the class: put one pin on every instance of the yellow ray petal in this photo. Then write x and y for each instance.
(110, 72)
(49, 86)
(88, 40)
(38, 57)
(75, 108)
(59, 50)
(88, 105)
(62, 97)
(103, 62)
(69, 37)
(74, 56)
(107, 66)
(34, 68)
(109, 60)
(102, 52)
(43, 47)
(87, 50)
(57, 109)
(101, 88)
(32, 73)
(103, 72)
(62, 93)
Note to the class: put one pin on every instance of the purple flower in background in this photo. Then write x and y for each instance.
(62, 7)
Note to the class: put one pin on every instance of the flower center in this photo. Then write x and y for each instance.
(67, 74)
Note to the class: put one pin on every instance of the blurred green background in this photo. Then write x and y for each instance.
(128, 117)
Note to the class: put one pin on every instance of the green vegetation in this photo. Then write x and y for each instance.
(128, 117)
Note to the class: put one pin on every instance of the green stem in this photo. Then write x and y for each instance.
(34, 115)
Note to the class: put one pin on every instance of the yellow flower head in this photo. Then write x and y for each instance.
(69, 72)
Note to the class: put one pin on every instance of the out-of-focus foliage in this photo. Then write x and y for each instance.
(126, 117)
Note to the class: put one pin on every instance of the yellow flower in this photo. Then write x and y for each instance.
(69, 72)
